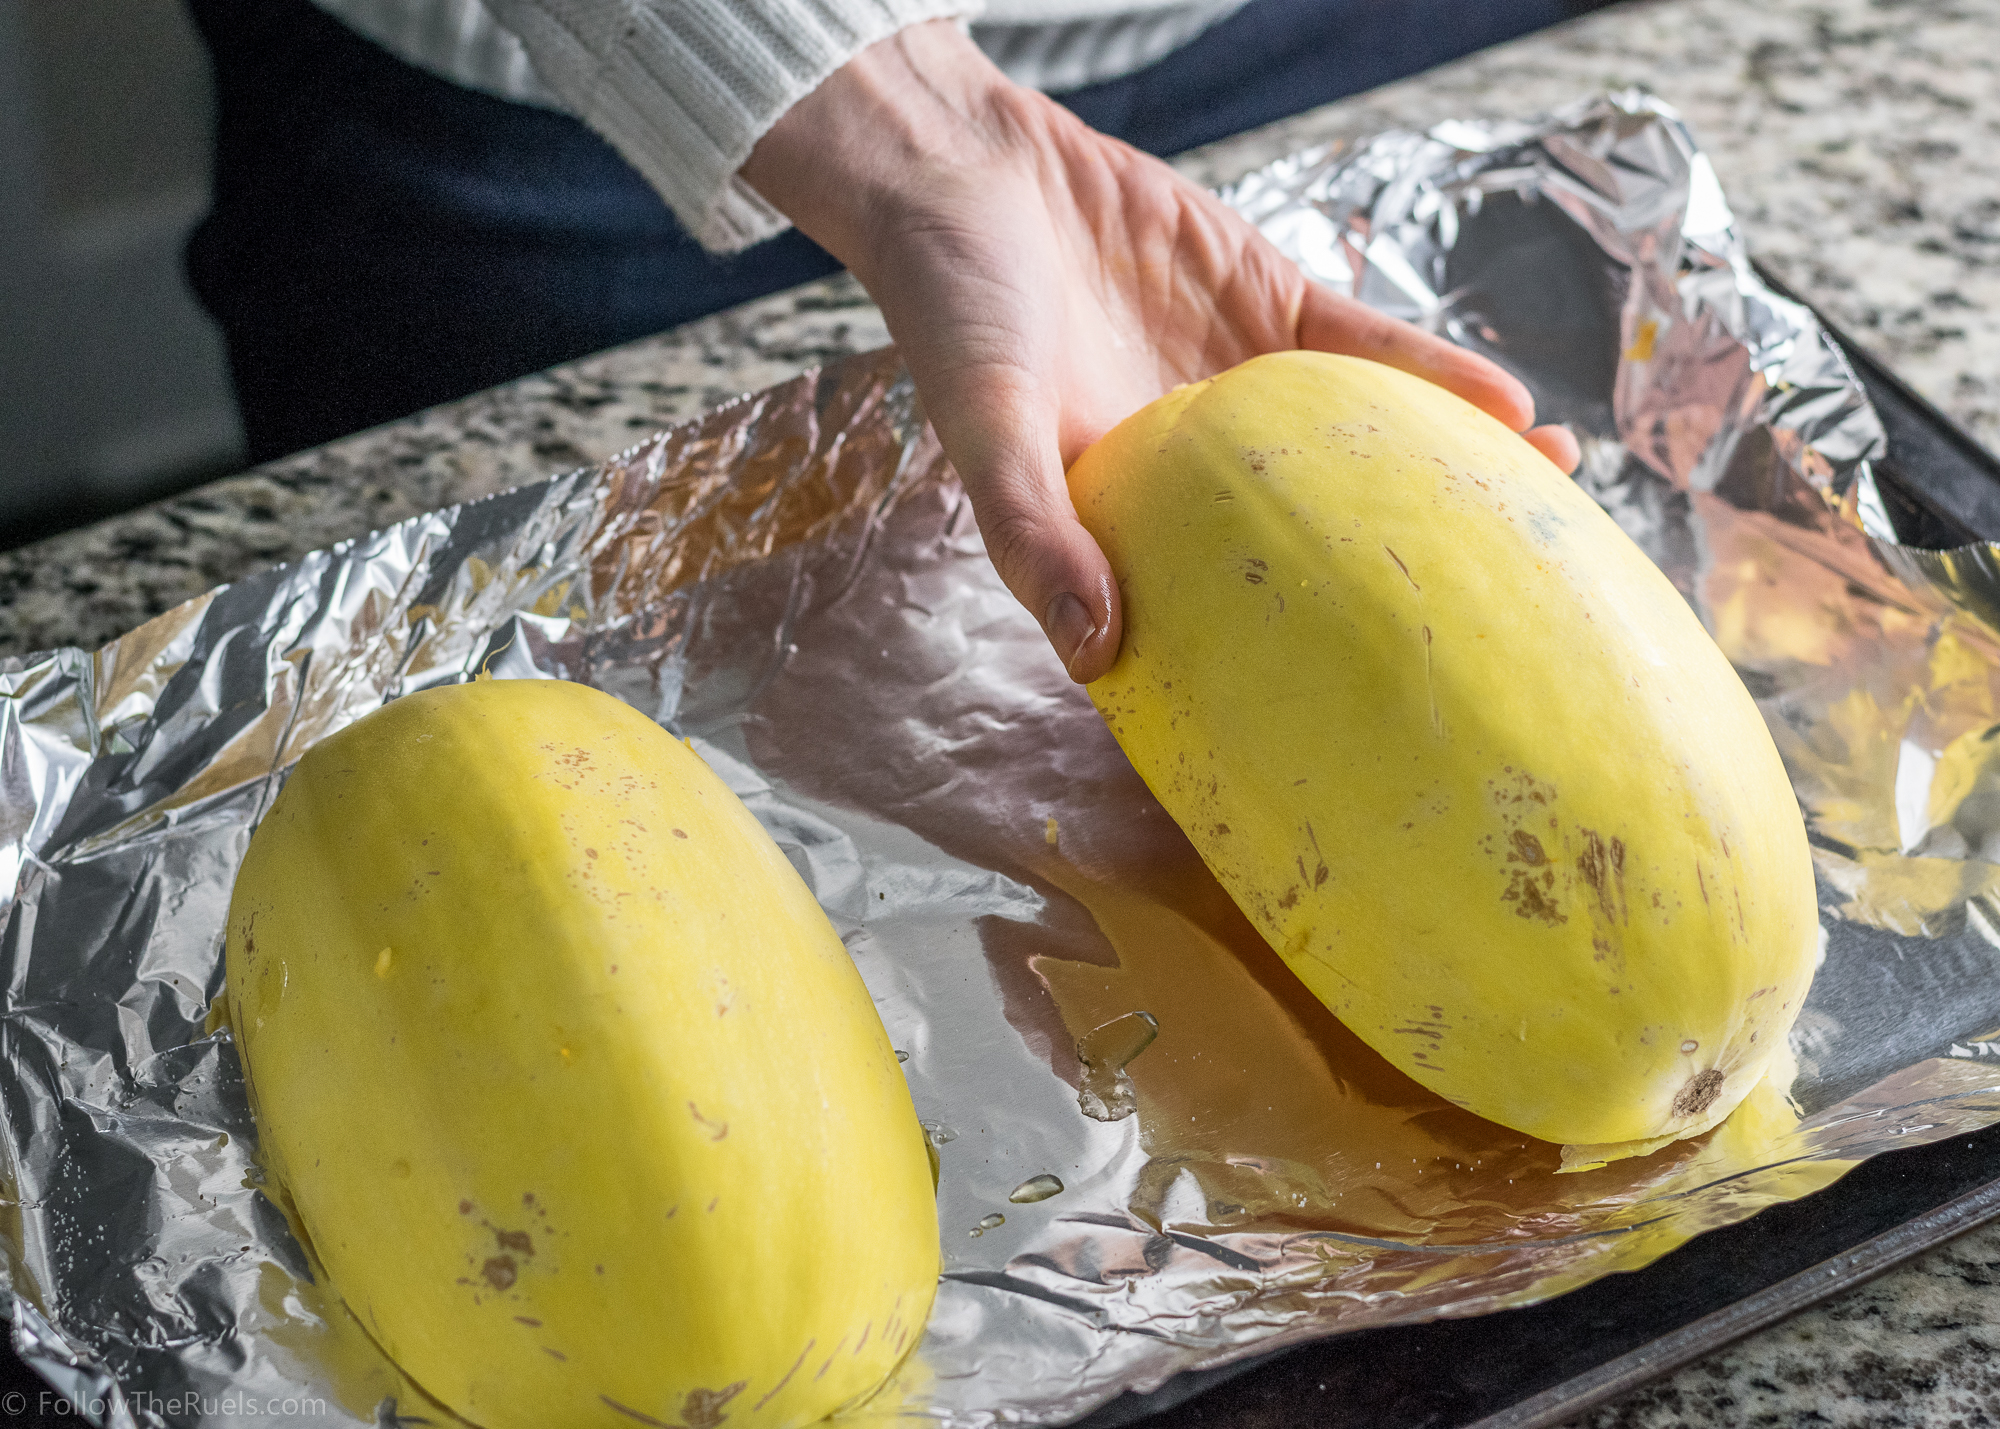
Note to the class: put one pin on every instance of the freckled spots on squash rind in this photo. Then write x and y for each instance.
(509, 1263)
(1593, 892)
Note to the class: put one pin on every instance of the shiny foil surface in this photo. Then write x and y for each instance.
(1157, 1151)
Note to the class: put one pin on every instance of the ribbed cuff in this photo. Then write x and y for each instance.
(684, 89)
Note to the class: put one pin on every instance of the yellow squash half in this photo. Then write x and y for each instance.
(1455, 746)
(576, 1093)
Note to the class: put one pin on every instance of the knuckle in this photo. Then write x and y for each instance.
(1014, 535)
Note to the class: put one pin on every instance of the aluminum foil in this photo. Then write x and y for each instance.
(1157, 1151)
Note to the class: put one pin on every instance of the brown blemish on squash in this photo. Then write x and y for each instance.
(1531, 886)
(1699, 1094)
(1320, 873)
(499, 1272)
(1602, 866)
(829, 1360)
(788, 1374)
(630, 1412)
(1534, 898)
(702, 1409)
(716, 1129)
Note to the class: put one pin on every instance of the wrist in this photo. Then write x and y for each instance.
(920, 105)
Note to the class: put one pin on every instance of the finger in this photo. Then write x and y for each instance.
(1329, 322)
(1558, 444)
(1003, 446)
(1053, 566)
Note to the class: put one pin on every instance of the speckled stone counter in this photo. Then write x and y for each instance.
(1859, 141)
(1917, 1349)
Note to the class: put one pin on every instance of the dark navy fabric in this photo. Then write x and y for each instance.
(383, 240)
(1275, 58)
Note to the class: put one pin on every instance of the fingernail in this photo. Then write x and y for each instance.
(1068, 627)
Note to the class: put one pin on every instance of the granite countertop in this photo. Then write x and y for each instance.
(1859, 141)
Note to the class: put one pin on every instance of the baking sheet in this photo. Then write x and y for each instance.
(795, 582)
(1548, 1363)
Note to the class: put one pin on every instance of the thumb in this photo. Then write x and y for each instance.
(1081, 617)
(1006, 455)
(1052, 565)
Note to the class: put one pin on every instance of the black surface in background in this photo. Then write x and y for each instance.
(1943, 489)
(27, 1402)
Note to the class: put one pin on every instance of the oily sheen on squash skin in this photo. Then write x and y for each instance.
(1455, 746)
(576, 1093)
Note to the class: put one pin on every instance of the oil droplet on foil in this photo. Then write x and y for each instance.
(939, 1133)
(902, 1056)
(992, 1222)
(1106, 1093)
(1036, 1188)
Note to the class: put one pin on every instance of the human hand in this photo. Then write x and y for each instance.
(1043, 282)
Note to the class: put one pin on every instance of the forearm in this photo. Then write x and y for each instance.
(907, 114)
(684, 90)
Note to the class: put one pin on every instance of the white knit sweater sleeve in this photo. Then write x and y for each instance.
(684, 88)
